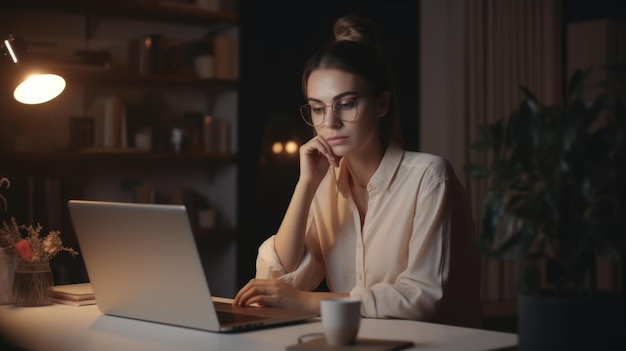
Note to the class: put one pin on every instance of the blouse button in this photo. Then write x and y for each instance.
(360, 276)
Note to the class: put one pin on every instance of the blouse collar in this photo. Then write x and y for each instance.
(381, 179)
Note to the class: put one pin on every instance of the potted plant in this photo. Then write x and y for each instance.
(556, 196)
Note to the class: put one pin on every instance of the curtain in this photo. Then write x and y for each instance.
(498, 46)
(507, 44)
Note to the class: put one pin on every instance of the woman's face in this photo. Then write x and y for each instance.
(333, 86)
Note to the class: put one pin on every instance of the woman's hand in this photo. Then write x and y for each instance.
(315, 158)
(276, 293)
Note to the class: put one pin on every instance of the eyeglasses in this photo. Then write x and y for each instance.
(345, 109)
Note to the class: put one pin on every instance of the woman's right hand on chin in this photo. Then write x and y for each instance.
(315, 158)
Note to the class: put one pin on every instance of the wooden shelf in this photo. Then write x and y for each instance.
(63, 161)
(178, 80)
(99, 75)
(116, 154)
(216, 20)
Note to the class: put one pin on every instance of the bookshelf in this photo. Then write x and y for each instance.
(153, 10)
(46, 171)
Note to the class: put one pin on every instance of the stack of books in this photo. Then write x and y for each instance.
(74, 294)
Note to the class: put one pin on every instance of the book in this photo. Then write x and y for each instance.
(215, 135)
(226, 52)
(73, 292)
(109, 114)
(74, 303)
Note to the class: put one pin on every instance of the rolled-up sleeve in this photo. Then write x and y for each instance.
(307, 276)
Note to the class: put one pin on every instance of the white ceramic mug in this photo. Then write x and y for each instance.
(341, 318)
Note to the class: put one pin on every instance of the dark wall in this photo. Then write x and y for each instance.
(276, 39)
(586, 10)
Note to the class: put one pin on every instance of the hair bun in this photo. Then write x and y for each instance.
(353, 28)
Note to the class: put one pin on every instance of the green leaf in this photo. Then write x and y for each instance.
(574, 88)
(529, 95)
(511, 243)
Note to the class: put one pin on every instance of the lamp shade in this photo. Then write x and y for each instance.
(33, 86)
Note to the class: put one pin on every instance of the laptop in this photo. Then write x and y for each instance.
(143, 263)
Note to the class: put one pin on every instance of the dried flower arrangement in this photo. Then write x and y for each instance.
(32, 247)
(31, 254)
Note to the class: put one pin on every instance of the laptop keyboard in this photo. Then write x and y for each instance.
(230, 317)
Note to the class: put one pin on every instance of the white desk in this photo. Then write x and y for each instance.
(67, 328)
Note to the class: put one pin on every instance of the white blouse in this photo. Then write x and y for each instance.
(415, 256)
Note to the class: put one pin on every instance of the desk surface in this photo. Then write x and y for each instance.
(67, 328)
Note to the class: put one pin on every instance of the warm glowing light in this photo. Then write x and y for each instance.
(38, 89)
(277, 147)
(291, 147)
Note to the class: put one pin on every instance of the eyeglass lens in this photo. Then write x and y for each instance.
(314, 113)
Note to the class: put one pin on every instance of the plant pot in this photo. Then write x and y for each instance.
(32, 284)
(594, 322)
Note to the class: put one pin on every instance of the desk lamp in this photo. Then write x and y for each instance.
(33, 87)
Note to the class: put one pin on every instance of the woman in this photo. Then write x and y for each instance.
(386, 225)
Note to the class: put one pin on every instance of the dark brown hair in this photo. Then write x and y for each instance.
(356, 49)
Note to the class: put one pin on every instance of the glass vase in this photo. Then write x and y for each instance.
(32, 284)
(7, 272)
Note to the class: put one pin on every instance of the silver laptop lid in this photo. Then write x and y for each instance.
(143, 263)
